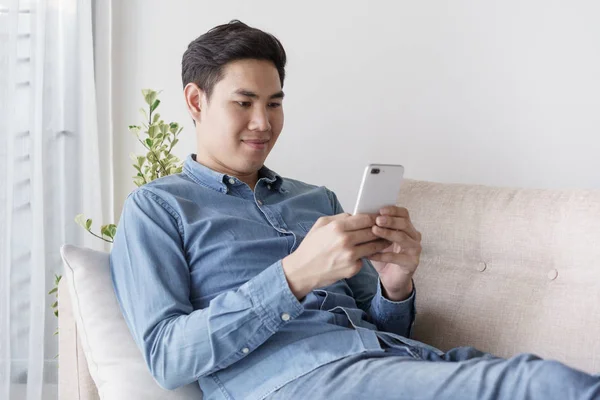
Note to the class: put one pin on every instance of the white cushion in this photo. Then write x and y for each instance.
(115, 362)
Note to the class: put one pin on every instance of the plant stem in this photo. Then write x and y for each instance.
(161, 164)
(100, 237)
(154, 154)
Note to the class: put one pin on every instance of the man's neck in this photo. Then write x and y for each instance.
(248, 179)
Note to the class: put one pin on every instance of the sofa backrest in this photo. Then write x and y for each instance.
(508, 270)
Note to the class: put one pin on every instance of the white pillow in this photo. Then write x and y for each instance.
(115, 362)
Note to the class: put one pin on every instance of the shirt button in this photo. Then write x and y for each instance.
(232, 181)
(269, 187)
(260, 203)
(285, 316)
(245, 350)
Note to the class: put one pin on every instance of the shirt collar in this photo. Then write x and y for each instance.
(218, 181)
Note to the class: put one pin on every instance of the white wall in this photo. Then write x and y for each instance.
(499, 93)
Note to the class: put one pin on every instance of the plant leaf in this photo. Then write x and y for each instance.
(149, 96)
(154, 105)
(88, 224)
(134, 128)
(80, 219)
(149, 142)
(53, 290)
(144, 113)
(103, 229)
(152, 130)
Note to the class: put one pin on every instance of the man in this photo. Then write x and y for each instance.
(259, 286)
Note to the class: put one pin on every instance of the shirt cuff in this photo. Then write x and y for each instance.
(388, 310)
(272, 297)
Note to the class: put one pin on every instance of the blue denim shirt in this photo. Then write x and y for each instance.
(196, 267)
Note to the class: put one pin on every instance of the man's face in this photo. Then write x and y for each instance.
(240, 124)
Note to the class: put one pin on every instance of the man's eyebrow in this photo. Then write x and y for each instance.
(249, 93)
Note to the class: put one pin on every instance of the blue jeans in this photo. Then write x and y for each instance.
(461, 373)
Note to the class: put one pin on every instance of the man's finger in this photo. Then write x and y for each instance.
(400, 238)
(399, 224)
(362, 236)
(371, 248)
(395, 211)
(357, 222)
(322, 221)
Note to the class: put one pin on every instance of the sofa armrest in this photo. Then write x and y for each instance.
(74, 380)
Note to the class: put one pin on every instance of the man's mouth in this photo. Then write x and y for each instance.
(258, 144)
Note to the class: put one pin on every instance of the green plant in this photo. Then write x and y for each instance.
(158, 139)
(54, 291)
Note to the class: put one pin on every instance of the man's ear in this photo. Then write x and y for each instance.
(193, 98)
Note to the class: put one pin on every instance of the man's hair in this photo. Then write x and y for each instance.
(205, 57)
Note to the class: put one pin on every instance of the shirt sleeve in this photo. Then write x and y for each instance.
(151, 278)
(389, 316)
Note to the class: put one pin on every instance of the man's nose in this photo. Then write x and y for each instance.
(260, 120)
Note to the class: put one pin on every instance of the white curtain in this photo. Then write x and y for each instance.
(55, 162)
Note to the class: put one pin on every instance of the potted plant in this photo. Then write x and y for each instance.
(158, 139)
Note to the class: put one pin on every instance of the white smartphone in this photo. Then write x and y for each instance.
(380, 187)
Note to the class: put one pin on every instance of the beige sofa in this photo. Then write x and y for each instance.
(504, 270)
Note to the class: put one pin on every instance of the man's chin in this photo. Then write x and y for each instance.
(254, 167)
(252, 164)
(249, 167)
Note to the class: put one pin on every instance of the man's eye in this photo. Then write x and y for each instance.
(244, 104)
(274, 105)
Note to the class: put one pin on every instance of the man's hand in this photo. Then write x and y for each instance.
(397, 264)
(331, 251)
